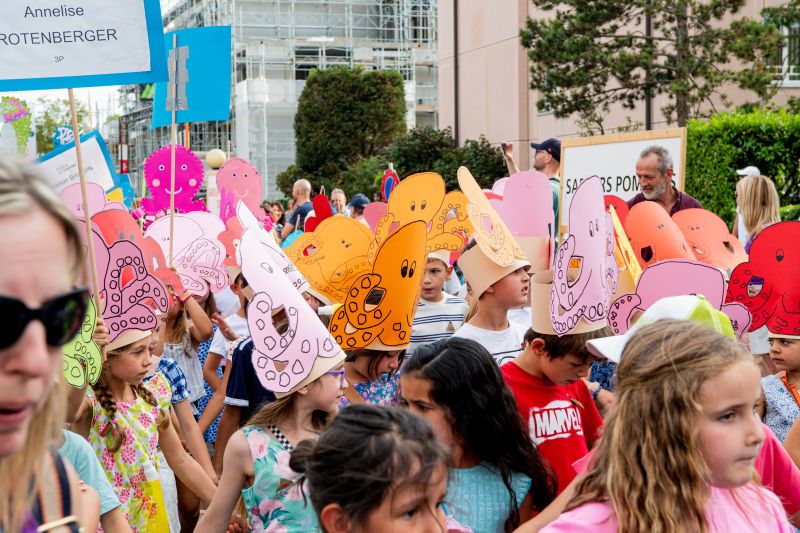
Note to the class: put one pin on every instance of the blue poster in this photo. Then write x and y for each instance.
(200, 72)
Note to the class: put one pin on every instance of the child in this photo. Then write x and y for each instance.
(209, 305)
(684, 417)
(125, 423)
(373, 377)
(499, 479)
(439, 315)
(375, 469)
(781, 397)
(498, 290)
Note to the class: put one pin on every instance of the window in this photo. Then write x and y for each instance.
(786, 65)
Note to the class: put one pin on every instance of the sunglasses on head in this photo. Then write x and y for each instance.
(61, 316)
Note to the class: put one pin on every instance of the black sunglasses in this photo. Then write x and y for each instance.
(61, 316)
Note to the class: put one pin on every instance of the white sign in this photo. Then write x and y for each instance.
(61, 168)
(613, 158)
(63, 38)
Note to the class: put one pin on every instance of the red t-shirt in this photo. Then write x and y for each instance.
(562, 421)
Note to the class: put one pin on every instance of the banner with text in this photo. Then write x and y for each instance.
(613, 158)
(60, 167)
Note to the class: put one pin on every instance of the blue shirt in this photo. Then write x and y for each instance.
(81, 456)
(176, 378)
(244, 389)
(298, 218)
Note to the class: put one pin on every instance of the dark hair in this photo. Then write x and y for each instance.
(282, 219)
(466, 381)
(375, 358)
(366, 454)
(571, 343)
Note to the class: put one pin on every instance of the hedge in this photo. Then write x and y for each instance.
(717, 146)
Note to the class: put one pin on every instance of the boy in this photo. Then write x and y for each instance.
(498, 290)
(547, 380)
(439, 314)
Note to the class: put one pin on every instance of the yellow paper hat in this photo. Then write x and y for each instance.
(629, 268)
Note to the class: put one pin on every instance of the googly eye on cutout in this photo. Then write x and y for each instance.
(184, 166)
(162, 168)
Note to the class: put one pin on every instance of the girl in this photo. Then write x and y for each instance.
(373, 376)
(41, 254)
(375, 469)
(256, 463)
(781, 397)
(499, 478)
(759, 205)
(685, 417)
(125, 424)
(209, 305)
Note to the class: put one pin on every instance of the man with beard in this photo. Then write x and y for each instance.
(654, 170)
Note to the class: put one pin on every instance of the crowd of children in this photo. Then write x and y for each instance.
(393, 403)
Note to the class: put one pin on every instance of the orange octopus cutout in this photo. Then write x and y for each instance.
(332, 255)
(380, 305)
(490, 232)
(654, 236)
(710, 239)
(422, 197)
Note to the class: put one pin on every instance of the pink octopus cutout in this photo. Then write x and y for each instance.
(198, 254)
(677, 277)
(589, 249)
(231, 238)
(238, 180)
(286, 344)
(128, 289)
(188, 179)
(95, 194)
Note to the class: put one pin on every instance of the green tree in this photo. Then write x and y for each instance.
(54, 113)
(419, 150)
(483, 160)
(590, 55)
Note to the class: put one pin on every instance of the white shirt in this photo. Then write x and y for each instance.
(227, 302)
(520, 315)
(219, 344)
(504, 345)
(742, 230)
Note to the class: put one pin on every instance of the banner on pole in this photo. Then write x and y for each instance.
(60, 167)
(51, 45)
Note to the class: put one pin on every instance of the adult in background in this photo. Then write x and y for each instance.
(357, 205)
(339, 203)
(655, 170)
(301, 192)
(739, 229)
(546, 159)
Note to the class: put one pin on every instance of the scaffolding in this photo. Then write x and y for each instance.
(276, 44)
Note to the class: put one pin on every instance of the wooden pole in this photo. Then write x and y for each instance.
(174, 90)
(84, 198)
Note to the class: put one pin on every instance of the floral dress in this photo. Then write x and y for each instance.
(133, 469)
(202, 354)
(274, 503)
(383, 391)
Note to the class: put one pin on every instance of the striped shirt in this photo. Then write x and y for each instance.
(436, 320)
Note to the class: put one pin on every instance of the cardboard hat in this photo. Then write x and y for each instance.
(627, 263)
(585, 270)
(496, 253)
(127, 337)
(767, 284)
(709, 238)
(541, 314)
(654, 236)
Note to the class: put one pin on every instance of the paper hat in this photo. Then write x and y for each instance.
(677, 277)
(526, 206)
(83, 359)
(585, 270)
(238, 180)
(654, 236)
(322, 209)
(380, 305)
(767, 284)
(688, 307)
(709, 238)
(128, 337)
(627, 264)
(332, 256)
(188, 179)
(289, 340)
(198, 255)
(496, 253)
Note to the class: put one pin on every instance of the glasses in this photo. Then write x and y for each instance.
(340, 373)
(61, 316)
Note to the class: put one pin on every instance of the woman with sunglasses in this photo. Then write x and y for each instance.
(256, 464)
(41, 257)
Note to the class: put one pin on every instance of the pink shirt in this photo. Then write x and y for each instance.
(746, 509)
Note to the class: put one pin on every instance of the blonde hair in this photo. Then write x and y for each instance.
(649, 464)
(282, 409)
(758, 202)
(23, 191)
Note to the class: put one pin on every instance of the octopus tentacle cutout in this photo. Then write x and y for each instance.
(83, 359)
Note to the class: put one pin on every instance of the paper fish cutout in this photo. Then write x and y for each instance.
(239, 181)
(188, 179)
(332, 256)
(322, 210)
(380, 305)
(654, 236)
(591, 245)
(83, 359)
(422, 197)
(677, 277)
(198, 254)
(389, 181)
(767, 284)
(71, 194)
(627, 263)
(287, 335)
(709, 238)
(620, 206)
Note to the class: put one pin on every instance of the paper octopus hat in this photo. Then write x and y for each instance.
(709, 238)
(291, 346)
(188, 179)
(496, 253)
(526, 207)
(627, 263)
(654, 236)
(584, 276)
(332, 256)
(768, 284)
(380, 305)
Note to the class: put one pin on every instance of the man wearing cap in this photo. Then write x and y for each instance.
(546, 159)
(357, 205)
(654, 170)
(739, 230)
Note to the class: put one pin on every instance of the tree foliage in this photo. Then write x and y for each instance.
(420, 149)
(52, 114)
(590, 55)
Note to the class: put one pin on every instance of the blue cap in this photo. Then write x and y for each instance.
(359, 201)
(551, 146)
